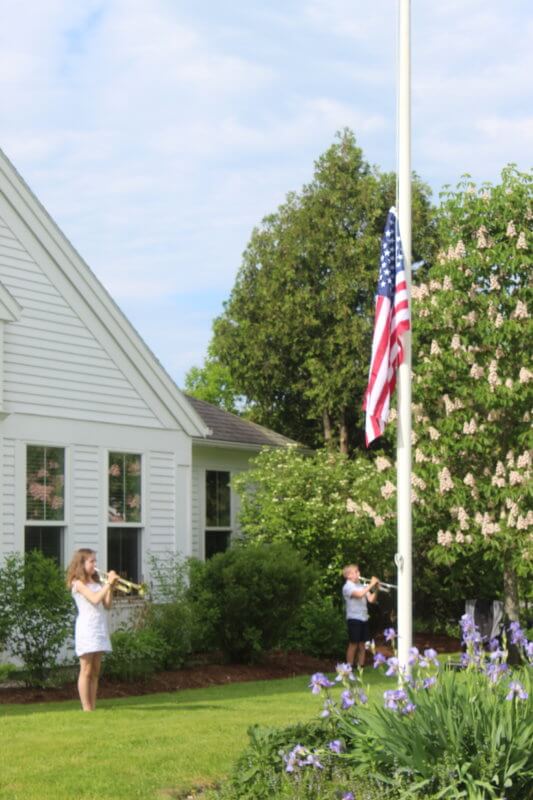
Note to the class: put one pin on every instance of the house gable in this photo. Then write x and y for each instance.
(72, 352)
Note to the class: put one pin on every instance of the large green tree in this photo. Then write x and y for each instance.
(295, 333)
(472, 385)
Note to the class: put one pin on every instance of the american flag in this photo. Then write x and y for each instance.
(391, 321)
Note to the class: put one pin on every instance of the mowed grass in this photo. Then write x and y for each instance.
(148, 747)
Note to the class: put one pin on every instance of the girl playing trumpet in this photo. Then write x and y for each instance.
(91, 634)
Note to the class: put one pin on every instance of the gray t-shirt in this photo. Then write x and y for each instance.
(356, 607)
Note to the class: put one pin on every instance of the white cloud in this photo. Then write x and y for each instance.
(157, 134)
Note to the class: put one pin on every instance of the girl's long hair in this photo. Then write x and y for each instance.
(76, 569)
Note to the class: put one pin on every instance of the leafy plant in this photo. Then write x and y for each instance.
(36, 613)
(137, 654)
(256, 591)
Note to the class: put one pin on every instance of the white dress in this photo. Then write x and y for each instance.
(91, 633)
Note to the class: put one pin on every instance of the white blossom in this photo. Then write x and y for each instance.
(482, 238)
(460, 249)
(417, 481)
(435, 286)
(493, 375)
(508, 383)
(520, 311)
(476, 371)
(521, 243)
(433, 433)
(498, 322)
(382, 463)
(419, 456)
(515, 478)
(470, 427)
(445, 480)
(468, 538)
(351, 506)
(435, 349)
(511, 230)
(469, 479)
(456, 342)
(445, 538)
(447, 284)
(459, 538)
(388, 489)
(523, 460)
(525, 375)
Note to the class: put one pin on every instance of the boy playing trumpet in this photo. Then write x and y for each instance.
(356, 597)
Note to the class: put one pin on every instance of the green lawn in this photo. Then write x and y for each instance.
(143, 747)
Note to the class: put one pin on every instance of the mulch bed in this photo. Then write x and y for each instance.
(203, 674)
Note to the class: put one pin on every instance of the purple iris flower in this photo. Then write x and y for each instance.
(393, 666)
(431, 655)
(348, 796)
(413, 656)
(379, 658)
(516, 690)
(389, 634)
(344, 671)
(517, 635)
(429, 682)
(335, 746)
(347, 700)
(319, 682)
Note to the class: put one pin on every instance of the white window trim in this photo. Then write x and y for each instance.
(60, 523)
(142, 522)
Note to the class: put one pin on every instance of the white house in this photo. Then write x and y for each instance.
(98, 447)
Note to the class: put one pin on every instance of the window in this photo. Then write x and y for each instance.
(124, 514)
(45, 501)
(124, 487)
(123, 552)
(45, 483)
(217, 512)
(46, 538)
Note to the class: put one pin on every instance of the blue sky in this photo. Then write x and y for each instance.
(157, 133)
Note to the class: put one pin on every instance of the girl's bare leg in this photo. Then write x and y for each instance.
(84, 681)
(95, 675)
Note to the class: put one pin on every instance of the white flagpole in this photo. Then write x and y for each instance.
(403, 456)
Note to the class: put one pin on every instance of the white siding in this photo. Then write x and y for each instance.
(53, 364)
(86, 502)
(161, 502)
(198, 495)
(7, 498)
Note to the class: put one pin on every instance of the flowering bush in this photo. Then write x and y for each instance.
(440, 733)
(448, 734)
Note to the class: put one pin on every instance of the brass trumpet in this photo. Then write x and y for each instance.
(386, 587)
(125, 586)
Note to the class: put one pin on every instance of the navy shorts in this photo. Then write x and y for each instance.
(357, 631)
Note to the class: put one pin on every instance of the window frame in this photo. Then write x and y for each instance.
(140, 523)
(227, 529)
(63, 523)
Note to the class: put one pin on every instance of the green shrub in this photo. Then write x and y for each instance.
(318, 629)
(205, 616)
(36, 613)
(172, 623)
(7, 671)
(137, 654)
(169, 614)
(256, 591)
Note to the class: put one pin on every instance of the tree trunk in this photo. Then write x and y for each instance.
(511, 605)
(328, 432)
(343, 433)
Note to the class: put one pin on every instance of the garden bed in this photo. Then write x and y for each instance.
(203, 672)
